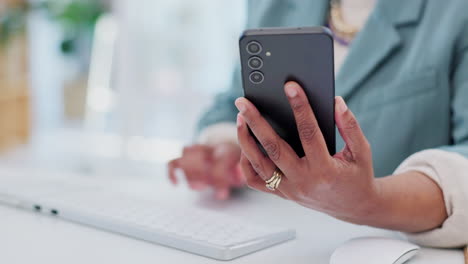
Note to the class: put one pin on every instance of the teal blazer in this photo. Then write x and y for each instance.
(405, 77)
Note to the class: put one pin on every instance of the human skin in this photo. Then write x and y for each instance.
(210, 166)
(342, 185)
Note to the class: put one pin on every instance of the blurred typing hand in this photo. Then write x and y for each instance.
(210, 166)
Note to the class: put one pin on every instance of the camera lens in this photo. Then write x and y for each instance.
(255, 63)
(254, 48)
(256, 77)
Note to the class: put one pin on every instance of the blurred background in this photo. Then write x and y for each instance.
(100, 86)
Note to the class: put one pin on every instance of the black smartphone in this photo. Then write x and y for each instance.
(270, 57)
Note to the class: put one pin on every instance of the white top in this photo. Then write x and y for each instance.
(449, 170)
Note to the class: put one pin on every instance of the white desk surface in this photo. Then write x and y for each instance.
(26, 237)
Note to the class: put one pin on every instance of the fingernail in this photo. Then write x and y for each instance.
(240, 120)
(341, 105)
(291, 89)
(222, 194)
(240, 105)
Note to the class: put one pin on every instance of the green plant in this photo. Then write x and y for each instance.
(75, 17)
(12, 21)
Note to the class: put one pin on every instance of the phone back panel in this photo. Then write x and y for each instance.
(304, 55)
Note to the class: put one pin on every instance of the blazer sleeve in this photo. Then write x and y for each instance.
(459, 79)
(223, 109)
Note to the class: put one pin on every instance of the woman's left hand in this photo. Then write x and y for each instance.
(342, 185)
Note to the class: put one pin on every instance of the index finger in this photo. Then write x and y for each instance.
(221, 177)
(172, 166)
(310, 134)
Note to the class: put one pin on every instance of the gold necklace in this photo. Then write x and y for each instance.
(337, 24)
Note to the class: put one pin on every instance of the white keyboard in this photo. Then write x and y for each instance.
(198, 231)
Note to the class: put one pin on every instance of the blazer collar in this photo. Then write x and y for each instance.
(401, 12)
(376, 42)
(287, 13)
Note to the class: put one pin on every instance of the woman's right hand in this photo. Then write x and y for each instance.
(210, 166)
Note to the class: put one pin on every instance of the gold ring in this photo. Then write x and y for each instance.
(273, 183)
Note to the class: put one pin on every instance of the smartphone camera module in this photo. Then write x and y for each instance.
(255, 63)
(256, 77)
(254, 48)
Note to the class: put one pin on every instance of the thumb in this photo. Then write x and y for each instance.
(357, 146)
